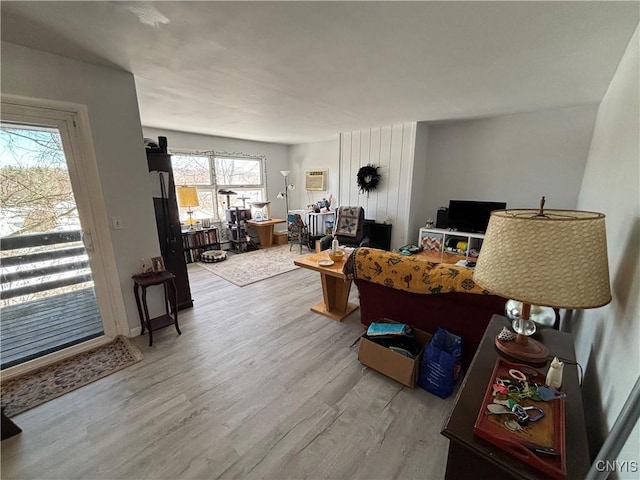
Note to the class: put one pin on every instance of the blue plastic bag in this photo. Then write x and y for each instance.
(441, 363)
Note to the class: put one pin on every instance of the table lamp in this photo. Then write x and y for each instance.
(262, 210)
(553, 258)
(538, 314)
(188, 198)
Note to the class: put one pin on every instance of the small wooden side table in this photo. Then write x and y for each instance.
(167, 280)
(265, 230)
(335, 286)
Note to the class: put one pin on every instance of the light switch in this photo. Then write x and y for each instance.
(116, 223)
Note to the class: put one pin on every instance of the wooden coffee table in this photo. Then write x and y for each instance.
(335, 286)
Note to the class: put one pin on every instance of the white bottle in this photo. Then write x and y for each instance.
(554, 375)
(334, 245)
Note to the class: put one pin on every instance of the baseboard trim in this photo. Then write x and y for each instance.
(135, 331)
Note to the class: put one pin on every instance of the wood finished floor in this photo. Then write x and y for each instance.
(257, 386)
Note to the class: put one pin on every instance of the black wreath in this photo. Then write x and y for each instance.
(368, 178)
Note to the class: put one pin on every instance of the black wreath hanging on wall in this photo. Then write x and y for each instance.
(368, 178)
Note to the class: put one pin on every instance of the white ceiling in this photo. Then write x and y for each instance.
(293, 72)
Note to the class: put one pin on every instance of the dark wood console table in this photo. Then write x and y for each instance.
(167, 280)
(471, 456)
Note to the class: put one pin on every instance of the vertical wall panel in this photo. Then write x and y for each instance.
(374, 159)
(365, 146)
(354, 166)
(392, 149)
(385, 167)
(344, 169)
(394, 172)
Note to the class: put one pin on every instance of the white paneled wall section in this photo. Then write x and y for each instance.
(392, 149)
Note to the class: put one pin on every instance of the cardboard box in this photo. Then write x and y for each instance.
(280, 238)
(394, 365)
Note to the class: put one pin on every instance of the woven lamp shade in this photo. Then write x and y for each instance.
(188, 197)
(557, 260)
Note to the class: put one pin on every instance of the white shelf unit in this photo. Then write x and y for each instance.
(450, 241)
(317, 223)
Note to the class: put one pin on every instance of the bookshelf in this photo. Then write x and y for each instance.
(451, 241)
(194, 242)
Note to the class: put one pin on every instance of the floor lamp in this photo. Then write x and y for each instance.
(553, 258)
(287, 186)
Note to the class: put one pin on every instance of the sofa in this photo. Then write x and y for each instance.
(426, 295)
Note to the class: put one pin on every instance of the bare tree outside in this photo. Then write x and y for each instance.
(191, 170)
(36, 197)
(235, 171)
(35, 191)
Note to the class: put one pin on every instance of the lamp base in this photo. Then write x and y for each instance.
(190, 220)
(524, 349)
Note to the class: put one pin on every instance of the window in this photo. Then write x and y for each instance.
(191, 170)
(211, 172)
(238, 171)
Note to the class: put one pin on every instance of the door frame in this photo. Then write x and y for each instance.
(72, 121)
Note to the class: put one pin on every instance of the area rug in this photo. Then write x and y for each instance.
(246, 268)
(35, 388)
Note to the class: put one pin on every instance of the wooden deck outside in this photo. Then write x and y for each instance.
(45, 262)
(35, 328)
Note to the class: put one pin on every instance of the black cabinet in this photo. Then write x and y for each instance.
(168, 223)
(379, 234)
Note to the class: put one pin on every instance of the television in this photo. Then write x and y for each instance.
(471, 216)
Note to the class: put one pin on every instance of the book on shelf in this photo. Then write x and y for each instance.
(197, 241)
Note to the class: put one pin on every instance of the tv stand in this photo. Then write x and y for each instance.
(450, 241)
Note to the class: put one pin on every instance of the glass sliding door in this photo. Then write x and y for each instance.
(47, 299)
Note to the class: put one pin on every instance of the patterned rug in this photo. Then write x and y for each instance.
(251, 267)
(35, 388)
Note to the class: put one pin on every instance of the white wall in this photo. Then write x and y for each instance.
(277, 156)
(314, 156)
(392, 149)
(110, 97)
(418, 211)
(511, 158)
(608, 339)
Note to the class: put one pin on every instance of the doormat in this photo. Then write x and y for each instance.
(251, 267)
(35, 388)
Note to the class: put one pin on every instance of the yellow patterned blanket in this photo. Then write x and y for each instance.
(410, 273)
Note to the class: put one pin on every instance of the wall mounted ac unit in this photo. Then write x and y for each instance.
(315, 180)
